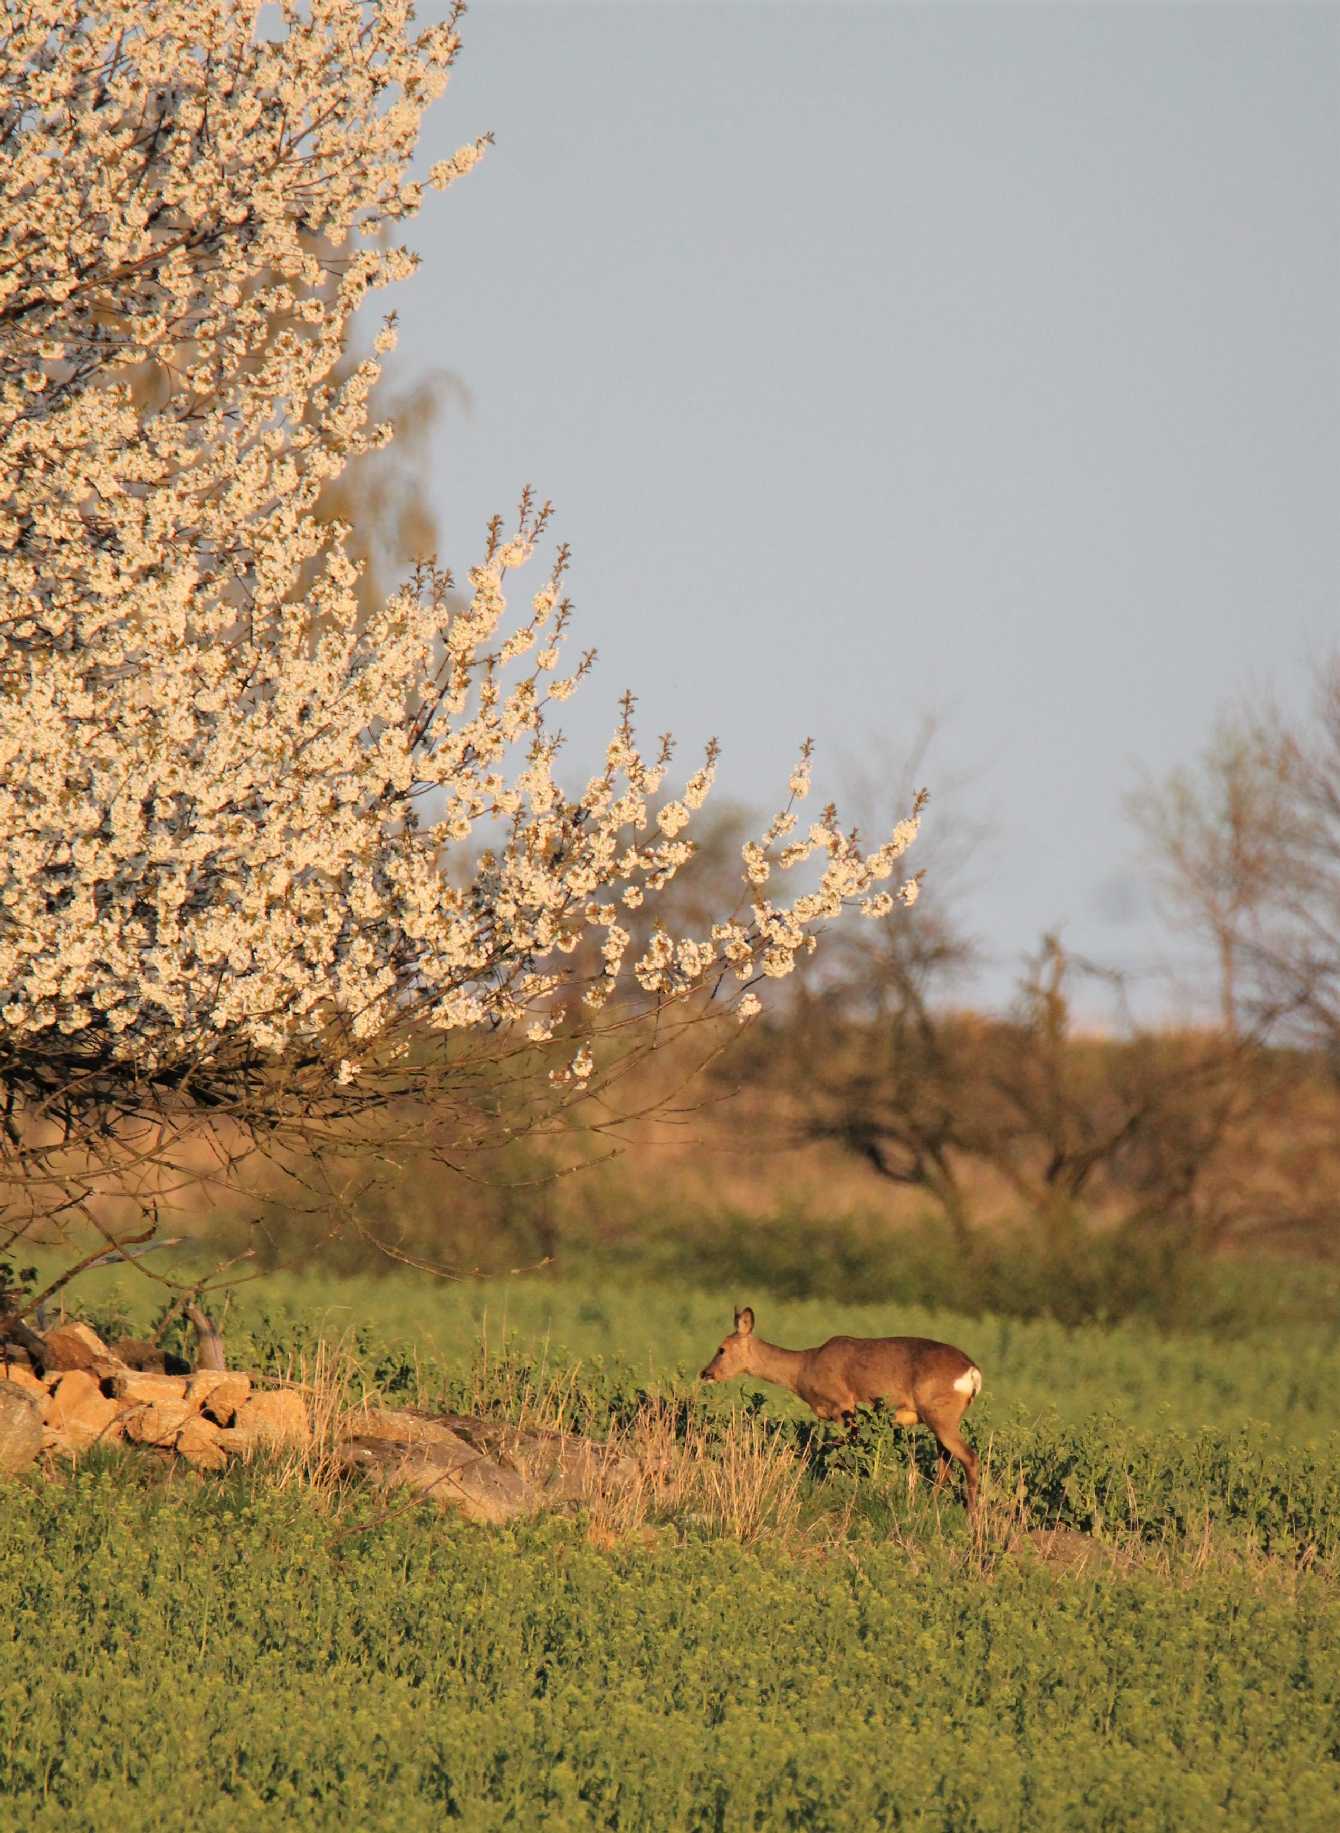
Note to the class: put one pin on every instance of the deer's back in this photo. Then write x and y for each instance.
(898, 1370)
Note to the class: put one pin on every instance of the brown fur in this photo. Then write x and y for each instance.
(913, 1376)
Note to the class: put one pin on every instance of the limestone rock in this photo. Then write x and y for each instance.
(157, 1423)
(27, 1382)
(78, 1332)
(69, 1388)
(20, 1428)
(219, 1393)
(77, 1346)
(80, 1413)
(148, 1389)
(148, 1358)
(275, 1416)
(198, 1443)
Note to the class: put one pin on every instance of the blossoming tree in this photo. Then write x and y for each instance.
(234, 803)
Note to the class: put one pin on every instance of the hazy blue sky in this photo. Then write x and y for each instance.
(887, 360)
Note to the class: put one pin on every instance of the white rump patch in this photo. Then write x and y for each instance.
(970, 1381)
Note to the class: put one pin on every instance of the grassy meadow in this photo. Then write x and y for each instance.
(790, 1632)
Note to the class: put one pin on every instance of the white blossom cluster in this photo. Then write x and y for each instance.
(227, 794)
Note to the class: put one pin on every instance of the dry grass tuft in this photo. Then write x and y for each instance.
(739, 1481)
(332, 1382)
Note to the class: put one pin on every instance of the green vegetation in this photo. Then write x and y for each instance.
(254, 1650)
(220, 1659)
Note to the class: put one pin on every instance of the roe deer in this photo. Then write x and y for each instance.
(923, 1382)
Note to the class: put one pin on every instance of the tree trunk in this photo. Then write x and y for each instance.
(209, 1351)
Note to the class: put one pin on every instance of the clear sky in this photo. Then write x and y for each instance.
(885, 361)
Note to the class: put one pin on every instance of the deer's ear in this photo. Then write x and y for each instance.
(744, 1321)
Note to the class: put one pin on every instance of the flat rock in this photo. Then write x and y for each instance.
(148, 1389)
(404, 1427)
(488, 1470)
(20, 1429)
(562, 1465)
(465, 1482)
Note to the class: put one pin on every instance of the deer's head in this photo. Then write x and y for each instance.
(733, 1356)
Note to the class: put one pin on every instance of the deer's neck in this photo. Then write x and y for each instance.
(771, 1362)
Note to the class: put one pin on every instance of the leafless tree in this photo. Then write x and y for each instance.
(1297, 959)
(1220, 835)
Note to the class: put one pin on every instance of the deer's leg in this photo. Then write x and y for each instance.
(942, 1464)
(943, 1421)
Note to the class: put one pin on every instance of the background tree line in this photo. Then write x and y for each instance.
(876, 1122)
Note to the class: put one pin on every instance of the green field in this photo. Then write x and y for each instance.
(245, 1652)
